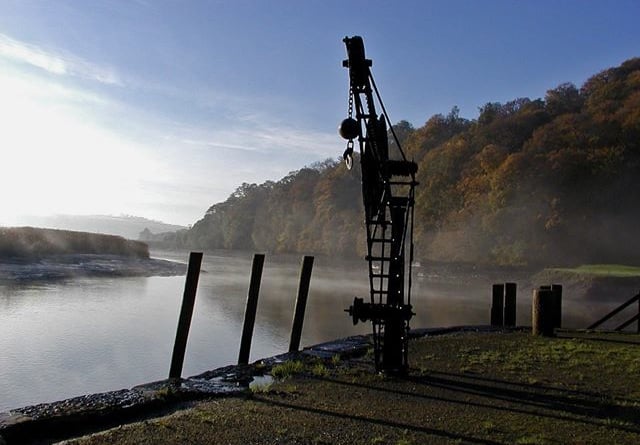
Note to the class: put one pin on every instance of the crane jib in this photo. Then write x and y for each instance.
(388, 187)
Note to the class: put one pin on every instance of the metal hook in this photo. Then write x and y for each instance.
(348, 154)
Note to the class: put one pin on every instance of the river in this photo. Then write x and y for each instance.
(84, 335)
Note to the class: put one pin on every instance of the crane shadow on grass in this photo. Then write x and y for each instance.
(364, 420)
(484, 398)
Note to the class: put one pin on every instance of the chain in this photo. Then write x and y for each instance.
(348, 153)
(350, 100)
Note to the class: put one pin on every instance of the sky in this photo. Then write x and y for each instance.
(161, 108)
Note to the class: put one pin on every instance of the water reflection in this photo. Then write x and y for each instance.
(69, 338)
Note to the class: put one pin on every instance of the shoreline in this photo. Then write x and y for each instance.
(62, 267)
(127, 405)
(87, 414)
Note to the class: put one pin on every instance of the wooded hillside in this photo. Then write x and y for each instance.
(552, 180)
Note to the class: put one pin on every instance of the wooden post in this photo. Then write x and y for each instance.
(250, 310)
(301, 303)
(186, 312)
(510, 291)
(542, 312)
(497, 305)
(557, 305)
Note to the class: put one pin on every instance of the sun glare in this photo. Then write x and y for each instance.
(55, 159)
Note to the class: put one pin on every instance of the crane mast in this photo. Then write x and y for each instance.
(388, 190)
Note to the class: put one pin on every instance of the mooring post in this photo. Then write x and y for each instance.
(301, 303)
(542, 312)
(510, 291)
(556, 289)
(186, 312)
(497, 305)
(638, 327)
(250, 310)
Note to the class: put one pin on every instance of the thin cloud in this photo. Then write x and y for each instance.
(291, 140)
(205, 143)
(61, 65)
(283, 138)
(268, 139)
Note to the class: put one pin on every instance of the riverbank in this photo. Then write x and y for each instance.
(65, 267)
(38, 254)
(594, 282)
(28, 243)
(464, 386)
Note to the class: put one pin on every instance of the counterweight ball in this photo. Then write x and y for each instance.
(349, 128)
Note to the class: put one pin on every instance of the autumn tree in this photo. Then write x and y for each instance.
(528, 181)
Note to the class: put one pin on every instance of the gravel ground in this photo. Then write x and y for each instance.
(476, 388)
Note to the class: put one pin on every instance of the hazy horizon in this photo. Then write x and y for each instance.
(29, 219)
(127, 226)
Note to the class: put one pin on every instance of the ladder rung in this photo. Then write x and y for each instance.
(377, 258)
(414, 183)
(380, 275)
(381, 240)
(375, 221)
(364, 115)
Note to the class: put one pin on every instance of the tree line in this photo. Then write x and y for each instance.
(530, 181)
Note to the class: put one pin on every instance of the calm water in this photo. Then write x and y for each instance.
(63, 339)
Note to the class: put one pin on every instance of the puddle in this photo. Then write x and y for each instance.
(213, 386)
(261, 381)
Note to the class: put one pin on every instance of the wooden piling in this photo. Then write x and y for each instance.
(250, 310)
(497, 305)
(186, 312)
(542, 319)
(557, 305)
(510, 291)
(301, 303)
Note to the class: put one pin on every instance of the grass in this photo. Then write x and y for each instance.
(287, 369)
(291, 368)
(602, 270)
(531, 440)
(462, 388)
(546, 358)
(319, 370)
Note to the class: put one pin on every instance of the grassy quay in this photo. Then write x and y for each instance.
(462, 388)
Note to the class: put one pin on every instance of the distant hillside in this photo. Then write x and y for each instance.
(125, 226)
(165, 239)
(30, 243)
(530, 181)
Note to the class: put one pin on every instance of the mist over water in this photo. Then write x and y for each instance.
(84, 335)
